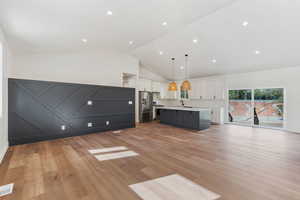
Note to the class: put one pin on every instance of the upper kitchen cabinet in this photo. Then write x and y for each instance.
(214, 89)
(210, 93)
(220, 89)
(165, 93)
(202, 86)
(144, 85)
(196, 89)
(156, 86)
(199, 89)
(207, 89)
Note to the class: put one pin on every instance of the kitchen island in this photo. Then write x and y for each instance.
(185, 117)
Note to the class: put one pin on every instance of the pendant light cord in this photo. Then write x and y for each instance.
(186, 66)
(173, 70)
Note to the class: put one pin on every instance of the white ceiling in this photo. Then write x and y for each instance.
(56, 25)
(273, 29)
(59, 25)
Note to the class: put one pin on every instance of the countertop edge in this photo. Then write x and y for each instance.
(184, 109)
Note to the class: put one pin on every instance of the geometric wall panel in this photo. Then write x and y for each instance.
(43, 110)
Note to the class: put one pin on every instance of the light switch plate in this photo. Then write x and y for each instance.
(63, 127)
(90, 124)
(107, 123)
(89, 103)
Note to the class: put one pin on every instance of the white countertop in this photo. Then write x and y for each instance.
(184, 108)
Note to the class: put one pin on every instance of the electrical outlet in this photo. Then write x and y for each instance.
(129, 102)
(89, 103)
(90, 124)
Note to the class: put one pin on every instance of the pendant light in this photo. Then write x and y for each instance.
(186, 85)
(173, 85)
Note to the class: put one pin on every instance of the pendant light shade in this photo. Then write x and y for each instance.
(172, 85)
(186, 85)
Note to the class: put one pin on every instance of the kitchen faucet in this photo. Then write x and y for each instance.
(182, 102)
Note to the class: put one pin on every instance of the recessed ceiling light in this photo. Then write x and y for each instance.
(130, 42)
(164, 24)
(84, 40)
(195, 40)
(214, 60)
(245, 23)
(182, 67)
(161, 52)
(257, 52)
(109, 12)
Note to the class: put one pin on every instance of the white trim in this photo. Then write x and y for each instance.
(3, 151)
(292, 131)
(273, 128)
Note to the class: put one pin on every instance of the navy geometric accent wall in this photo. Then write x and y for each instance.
(40, 110)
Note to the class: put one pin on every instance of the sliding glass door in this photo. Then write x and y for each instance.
(269, 107)
(240, 105)
(257, 107)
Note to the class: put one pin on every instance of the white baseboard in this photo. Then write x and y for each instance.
(292, 131)
(3, 150)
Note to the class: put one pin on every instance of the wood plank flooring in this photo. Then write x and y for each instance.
(238, 163)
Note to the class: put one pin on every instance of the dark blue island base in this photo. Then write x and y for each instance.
(185, 118)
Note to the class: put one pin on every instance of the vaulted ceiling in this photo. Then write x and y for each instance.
(220, 36)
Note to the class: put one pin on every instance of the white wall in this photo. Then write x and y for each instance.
(288, 78)
(147, 74)
(93, 67)
(96, 67)
(3, 117)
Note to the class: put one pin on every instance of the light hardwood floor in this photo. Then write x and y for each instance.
(238, 163)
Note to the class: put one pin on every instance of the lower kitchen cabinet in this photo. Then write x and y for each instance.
(197, 120)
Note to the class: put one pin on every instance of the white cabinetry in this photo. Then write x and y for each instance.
(200, 89)
(205, 89)
(194, 93)
(210, 89)
(217, 115)
(144, 85)
(220, 89)
(173, 94)
(165, 93)
(210, 93)
(156, 86)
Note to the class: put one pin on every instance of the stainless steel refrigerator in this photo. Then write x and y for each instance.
(145, 106)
